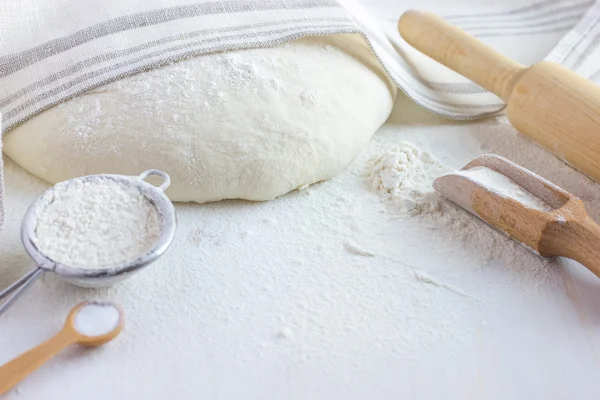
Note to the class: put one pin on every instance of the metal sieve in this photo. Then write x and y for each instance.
(101, 276)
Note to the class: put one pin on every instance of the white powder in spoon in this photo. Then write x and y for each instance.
(97, 319)
(95, 223)
(504, 186)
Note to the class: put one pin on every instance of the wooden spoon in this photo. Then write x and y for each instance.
(16, 370)
(562, 228)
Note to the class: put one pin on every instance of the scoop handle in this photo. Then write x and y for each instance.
(16, 370)
(460, 52)
(578, 240)
(589, 252)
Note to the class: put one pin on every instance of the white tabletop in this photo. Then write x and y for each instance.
(325, 294)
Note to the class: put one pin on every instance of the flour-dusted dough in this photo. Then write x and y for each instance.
(251, 124)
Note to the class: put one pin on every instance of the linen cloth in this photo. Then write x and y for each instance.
(52, 50)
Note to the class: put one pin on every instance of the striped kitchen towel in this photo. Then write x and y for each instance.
(52, 50)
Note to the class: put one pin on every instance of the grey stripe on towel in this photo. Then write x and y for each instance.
(114, 55)
(13, 63)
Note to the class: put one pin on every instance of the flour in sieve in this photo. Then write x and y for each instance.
(95, 223)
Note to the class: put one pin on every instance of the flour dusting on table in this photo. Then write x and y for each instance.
(330, 286)
(403, 177)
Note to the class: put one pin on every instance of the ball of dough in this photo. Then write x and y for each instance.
(250, 124)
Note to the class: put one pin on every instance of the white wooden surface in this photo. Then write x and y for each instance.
(230, 312)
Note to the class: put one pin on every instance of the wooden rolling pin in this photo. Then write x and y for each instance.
(552, 105)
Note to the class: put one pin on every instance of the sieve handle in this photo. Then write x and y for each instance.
(12, 292)
(157, 172)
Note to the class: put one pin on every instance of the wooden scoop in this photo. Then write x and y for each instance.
(16, 370)
(562, 227)
(552, 105)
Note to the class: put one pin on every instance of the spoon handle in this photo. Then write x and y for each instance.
(16, 370)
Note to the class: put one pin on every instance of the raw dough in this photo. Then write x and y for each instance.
(251, 124)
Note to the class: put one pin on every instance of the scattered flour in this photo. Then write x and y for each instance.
(97, 319)
(291, 303)
(421, 277)
(95, 223)
(353, 248)
(403, 177)
(504, 186)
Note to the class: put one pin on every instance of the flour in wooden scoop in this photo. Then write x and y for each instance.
(504, 186)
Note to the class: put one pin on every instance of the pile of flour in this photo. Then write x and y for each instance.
(403, 176)
(95, 223)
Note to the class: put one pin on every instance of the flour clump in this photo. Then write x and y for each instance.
(403, 176)
(95, 223)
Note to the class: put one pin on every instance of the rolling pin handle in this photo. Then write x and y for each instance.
(460, 52)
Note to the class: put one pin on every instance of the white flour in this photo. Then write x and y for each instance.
(504, 186)
(97, 319)
(320, 290)
(403, 176)
(96, 223)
